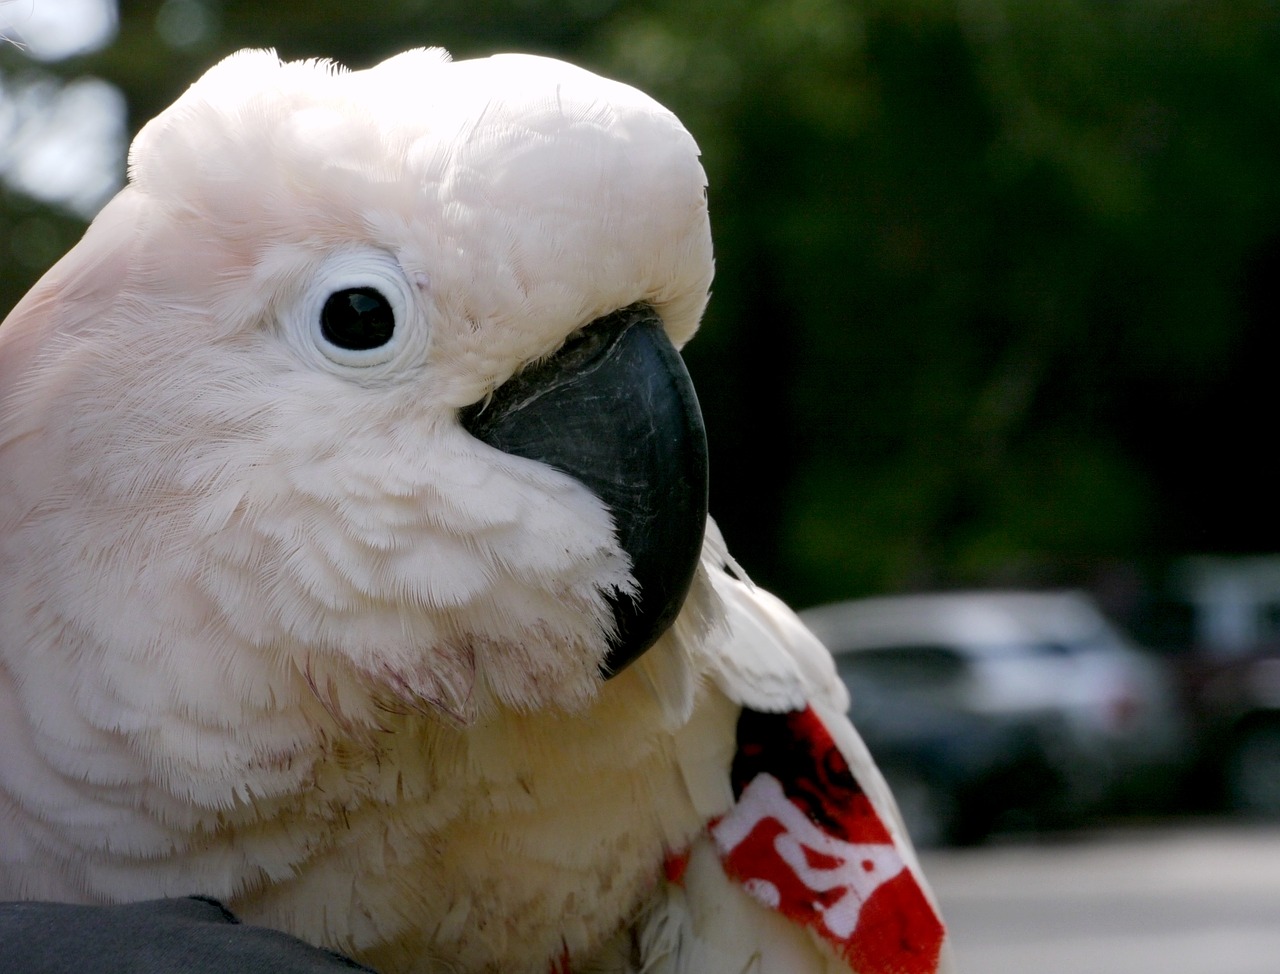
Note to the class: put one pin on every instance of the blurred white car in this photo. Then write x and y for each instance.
(1001, 708)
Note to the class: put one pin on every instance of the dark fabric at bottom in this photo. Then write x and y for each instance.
(193, 935)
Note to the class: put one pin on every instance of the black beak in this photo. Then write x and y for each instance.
(615, 409)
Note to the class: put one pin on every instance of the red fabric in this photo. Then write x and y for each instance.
(804, 839)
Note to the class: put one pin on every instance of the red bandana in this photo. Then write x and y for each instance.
(804, 839)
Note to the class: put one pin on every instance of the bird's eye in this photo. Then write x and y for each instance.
(357, 319)
(359, 311)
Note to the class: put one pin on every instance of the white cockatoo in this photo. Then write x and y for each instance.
(354, 562)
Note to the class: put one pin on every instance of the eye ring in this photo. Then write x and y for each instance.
(359, 310)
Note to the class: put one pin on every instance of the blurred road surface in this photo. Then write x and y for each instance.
(1200, 899)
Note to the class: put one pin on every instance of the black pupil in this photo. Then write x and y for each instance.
(357, 319)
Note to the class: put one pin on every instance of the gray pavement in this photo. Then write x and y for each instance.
(1202, 899)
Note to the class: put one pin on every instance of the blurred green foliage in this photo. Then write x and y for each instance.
(995, 280)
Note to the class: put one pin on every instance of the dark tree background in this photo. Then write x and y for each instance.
(996, 281)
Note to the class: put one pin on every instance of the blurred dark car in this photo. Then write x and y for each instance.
(1235, 711)
(1223, 629)
(988, 711)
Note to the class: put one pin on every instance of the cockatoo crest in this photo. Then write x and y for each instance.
(513, 188)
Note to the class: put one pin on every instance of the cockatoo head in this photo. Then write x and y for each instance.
(367, 377)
